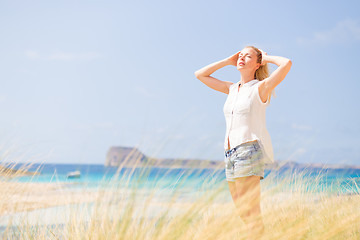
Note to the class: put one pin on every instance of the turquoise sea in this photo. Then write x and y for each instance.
(341, 181)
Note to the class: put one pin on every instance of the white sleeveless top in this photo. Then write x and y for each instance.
(245, 118)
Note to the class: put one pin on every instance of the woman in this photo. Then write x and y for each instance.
(247, 142)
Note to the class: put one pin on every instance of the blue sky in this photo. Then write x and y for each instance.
(81, 76)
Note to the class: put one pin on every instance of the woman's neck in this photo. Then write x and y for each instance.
(246, 77)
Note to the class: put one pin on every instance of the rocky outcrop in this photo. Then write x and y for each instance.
(125, 156)
(13, 170)
(132, 157)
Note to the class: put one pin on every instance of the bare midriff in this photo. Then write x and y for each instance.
(242, 143)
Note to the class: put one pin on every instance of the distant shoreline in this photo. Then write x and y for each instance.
(205, 164)
(13, 171)
(132, 157)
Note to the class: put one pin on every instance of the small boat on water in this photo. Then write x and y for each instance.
(75, 174)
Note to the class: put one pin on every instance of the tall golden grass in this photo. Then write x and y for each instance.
(123, 209)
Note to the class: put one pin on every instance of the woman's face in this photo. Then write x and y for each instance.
(247, 60)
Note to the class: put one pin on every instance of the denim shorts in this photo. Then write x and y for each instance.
(244, 160)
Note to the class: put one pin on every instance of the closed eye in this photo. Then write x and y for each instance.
(244, 55)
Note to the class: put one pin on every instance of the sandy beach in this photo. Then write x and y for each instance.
(18, 197)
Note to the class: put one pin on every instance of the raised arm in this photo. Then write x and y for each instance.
(276, 77)
(204, 73)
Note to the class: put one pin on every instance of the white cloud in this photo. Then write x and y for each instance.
(62, 56)
(105, 125)
(32, 54)
(343, 32)
(160, 130)
(300, 151)
(301, 127)
(2, 98)
(140, 89)
(204, 137)
(178, 136)
(95, 126)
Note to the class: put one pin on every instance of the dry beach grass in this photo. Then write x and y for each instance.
(112, 211)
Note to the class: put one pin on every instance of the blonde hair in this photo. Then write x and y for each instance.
(263, 71)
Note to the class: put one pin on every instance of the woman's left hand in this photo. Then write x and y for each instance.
(263, 59)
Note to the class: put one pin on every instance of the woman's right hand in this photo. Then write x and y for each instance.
(232, 60)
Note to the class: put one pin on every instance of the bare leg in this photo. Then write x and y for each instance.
(232, 188)
(246, 196)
